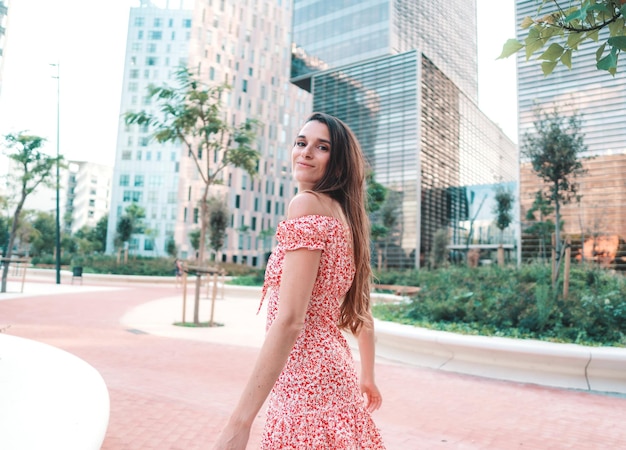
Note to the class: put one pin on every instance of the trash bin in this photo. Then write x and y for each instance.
(77, 272)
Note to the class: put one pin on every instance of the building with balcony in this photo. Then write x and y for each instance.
(86, 197)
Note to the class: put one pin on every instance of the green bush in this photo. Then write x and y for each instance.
(515, 302)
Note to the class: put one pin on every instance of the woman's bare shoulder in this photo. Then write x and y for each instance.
(307, 203)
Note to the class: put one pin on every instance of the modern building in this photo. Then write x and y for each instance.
(329, 34)
(600, 99)
(414, 114)
(246, 44)
(87, 194)
(147, 173)
(4, 10)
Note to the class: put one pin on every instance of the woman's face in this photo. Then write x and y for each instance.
(310, 154)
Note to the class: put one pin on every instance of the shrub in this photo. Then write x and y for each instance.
(506, 301)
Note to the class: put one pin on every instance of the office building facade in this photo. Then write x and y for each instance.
(4, 19)
(246, 44)
(146, 173)
(328, 34)
(87, 192)
(600, 99)
(429, 144)
(403, 75)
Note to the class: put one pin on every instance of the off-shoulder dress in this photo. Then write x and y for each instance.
(316, 402)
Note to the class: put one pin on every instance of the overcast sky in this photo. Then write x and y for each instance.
(88, 38)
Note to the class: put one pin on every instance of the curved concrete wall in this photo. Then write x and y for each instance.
(49, 398)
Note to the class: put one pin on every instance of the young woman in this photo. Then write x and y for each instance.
(317, 282)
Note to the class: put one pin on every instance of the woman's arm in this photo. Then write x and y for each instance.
(366, 341)
(299, 273)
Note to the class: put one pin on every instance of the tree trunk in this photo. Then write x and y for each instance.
(203, 227)
(14, 225)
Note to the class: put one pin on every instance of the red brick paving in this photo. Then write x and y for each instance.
(170, 393)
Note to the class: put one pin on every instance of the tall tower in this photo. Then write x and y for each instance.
(147, 173)
(598, 220)
(403, 75)
(247, 45)
(4, 9)
(326, 35)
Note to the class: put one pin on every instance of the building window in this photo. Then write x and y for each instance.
(132, 86)
(138, 180)
(268, 207)
(126, 196)
(237, 200)
(244, 86)
(155, 35)
(144, 141)
(134, 73)
(92, 202)
(126, 154)
(140, 35)
(139, 21)
(124, 179)
(186, 23)
(195, 215)
(137, 195)
(157, 22)
(136, 47)
(151, 61)
(148, 244)
(253, 224)
(138, 155)
(152, 48)
(171, 197)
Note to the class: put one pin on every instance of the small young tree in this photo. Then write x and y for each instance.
(32, 169)
(171, 248)
(502, 209)
(540, 226)
(554, 151)
(218, 222)
(191, 114)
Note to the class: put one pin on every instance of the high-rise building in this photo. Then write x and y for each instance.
(147, 173)
(328, 34)
(600, 99)
(415, 116)
(246, 44)
(87, 192)
(4, 9)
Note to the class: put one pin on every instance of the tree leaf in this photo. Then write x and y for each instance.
(600, 51)
(510, 47)
(608, 62)
(548, 67)
(533, 41)
(567, 58)
(573, 39)
(617, 28)
(618, 41)
(553, 52)
(527, 22)
(593, 35)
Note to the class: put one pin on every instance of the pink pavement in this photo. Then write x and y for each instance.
(169, 393)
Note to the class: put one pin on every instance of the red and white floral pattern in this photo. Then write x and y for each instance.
(316, 402)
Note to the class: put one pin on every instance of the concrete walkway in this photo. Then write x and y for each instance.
(172, 387)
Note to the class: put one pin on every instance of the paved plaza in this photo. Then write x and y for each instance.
(173, 388)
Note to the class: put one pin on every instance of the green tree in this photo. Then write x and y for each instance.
(191, 114)
(194, 239)
(565, 26)
(554, 151)
(502, 209)
(170, 247)
(43, 238)
(98, 234)
(218, 222)
(31, 168)
(540, 224)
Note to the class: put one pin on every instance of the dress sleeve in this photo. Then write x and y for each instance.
(303, 232)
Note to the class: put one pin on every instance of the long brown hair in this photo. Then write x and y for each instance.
(344, 181)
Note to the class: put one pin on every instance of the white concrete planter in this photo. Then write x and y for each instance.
(49, 398)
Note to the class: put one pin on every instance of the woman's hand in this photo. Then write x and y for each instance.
(373, 399)
(232, 438)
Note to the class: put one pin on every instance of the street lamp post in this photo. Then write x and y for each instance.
(57, 241)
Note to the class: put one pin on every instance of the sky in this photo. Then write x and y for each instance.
(87, 39)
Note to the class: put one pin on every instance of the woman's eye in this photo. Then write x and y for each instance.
(300, 144)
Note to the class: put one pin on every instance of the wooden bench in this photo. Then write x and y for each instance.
(398, 289)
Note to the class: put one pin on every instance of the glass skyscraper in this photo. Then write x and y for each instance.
(600, 98)
(424, 137)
